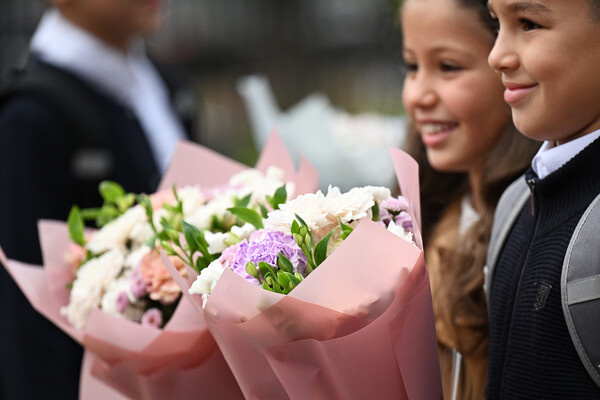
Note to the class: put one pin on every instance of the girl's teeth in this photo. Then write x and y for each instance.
(435, 128)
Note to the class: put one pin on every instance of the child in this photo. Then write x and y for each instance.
(469, 152)
(48, 161)
(547, 54)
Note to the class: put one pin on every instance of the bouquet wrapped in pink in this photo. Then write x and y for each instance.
(328, 299)
(113, 295)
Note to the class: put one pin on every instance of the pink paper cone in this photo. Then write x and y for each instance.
(360, 326)
(181, 361)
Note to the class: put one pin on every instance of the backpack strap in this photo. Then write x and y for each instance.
(73, 102)
(580, 289)
(510, 205)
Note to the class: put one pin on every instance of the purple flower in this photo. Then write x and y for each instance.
(122, 302)
(152, 317)
(394, 206)
(139, 286)
(265, 246)
(404, 220)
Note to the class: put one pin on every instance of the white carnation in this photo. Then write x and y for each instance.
(216, 241)
(244, 231)
(90, 284)
(202, 216)
(349, 206)
(252, 181)
(206, 281)
(192, 199)
(116, 233)
(310, 207)
(134, 257)
(378, 193)
(114, 289)
(400, 232)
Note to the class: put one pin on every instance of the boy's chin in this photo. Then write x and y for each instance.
(530, 126)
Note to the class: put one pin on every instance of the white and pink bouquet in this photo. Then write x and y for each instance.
(328, 298)
(112, 293)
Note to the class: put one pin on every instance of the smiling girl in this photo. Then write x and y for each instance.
(469, 151)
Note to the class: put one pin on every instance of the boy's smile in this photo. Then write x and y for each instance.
(547, 54)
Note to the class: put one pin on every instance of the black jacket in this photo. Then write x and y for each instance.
(531, 354)
(42, 174)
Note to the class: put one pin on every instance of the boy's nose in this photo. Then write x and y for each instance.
(502, 57)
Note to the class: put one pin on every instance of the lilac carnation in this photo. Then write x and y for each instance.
(266, 247)
(404, 220)
(152, 317)
(395, 205)
(139, 286)
(122, 302)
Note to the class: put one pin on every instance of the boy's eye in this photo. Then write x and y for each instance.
(528, 25)
(495, 25)
(449, 67)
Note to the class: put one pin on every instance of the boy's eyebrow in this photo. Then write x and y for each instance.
(529, 7)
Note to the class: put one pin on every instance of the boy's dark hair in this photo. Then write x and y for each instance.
(595, 9)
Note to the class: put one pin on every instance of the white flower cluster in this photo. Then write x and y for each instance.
(93, 278)
(321, 212)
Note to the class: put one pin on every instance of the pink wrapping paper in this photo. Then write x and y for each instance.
(124, 359)
(359, 327)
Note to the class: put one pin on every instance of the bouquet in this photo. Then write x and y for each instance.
(113, 295)
(328, 298)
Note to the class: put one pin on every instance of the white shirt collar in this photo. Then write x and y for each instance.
(59, 42)
(127, 77)
(549, 158)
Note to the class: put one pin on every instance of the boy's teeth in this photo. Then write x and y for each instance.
(435, 128)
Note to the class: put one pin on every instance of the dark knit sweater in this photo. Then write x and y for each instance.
(531, 355)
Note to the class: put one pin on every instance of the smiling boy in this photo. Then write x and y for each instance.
(547, 54)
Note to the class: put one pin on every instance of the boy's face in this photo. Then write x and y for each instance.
(115, 21)
(547, 54)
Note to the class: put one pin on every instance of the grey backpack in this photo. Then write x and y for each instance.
(580, 281)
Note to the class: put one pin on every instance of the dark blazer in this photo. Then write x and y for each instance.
(42, 174)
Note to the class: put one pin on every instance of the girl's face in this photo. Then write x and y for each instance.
(452, 95)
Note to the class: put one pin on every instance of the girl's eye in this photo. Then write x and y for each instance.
(449, 67)
(528, 25)
(410, 67)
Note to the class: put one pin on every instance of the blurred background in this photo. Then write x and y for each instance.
(343, 56)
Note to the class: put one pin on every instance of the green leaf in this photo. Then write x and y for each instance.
(284, 263)
(266, 270)
(252, 271)
(110, 191)
(309, 269)
(321, 249)
(247, 215)
(279, 197)
(125, 202)
(203, 262)
(345, 234)
(263, 210)
(375, 211)
(284, 281)
(192, 234)
(243, 202)
(76, 226)
(90, 213)
(295, 228)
